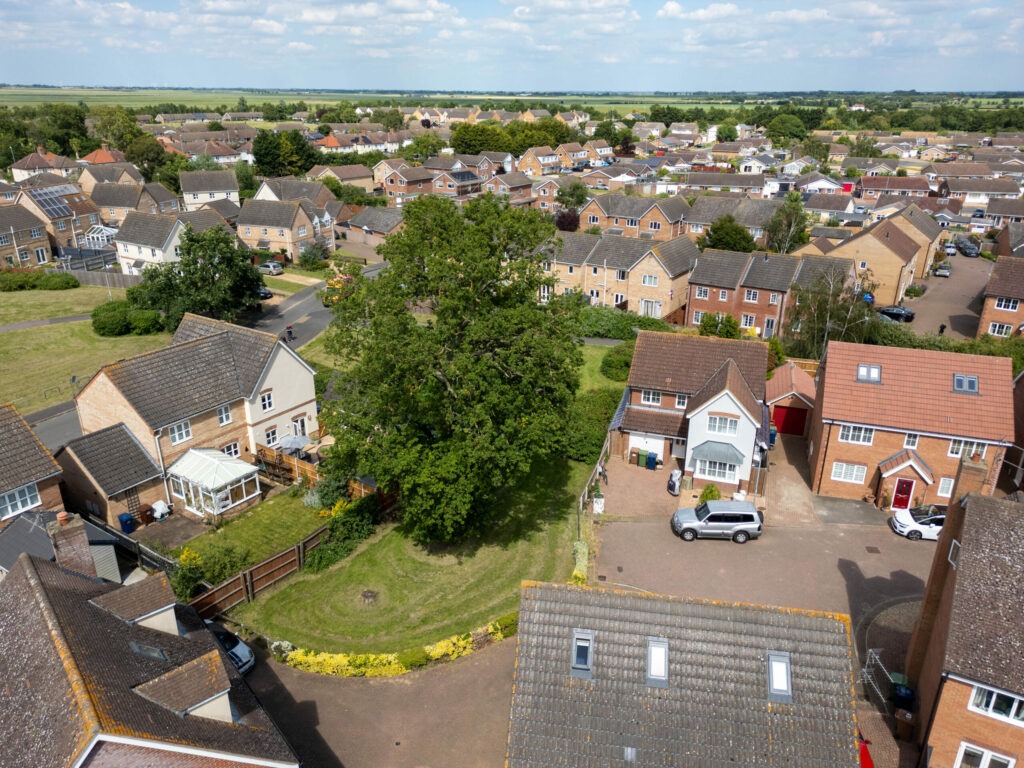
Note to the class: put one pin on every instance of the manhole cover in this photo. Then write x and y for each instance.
(369, 596)
(873, 550)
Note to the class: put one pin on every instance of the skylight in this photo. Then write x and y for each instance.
(582, 653)
(869, 373)
(657, 662)
(964, 383)
(780, 684)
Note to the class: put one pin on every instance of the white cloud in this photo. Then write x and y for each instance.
(269, 27)
(299, 46)
(713, 12)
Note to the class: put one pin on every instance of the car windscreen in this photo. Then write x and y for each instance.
(226, 639)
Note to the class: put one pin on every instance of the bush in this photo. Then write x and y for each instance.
(223, 560)
(504, 626)
(57, 281)
(710, 493)
(581, 559)
(313, 258)
(914, 291)
(332, 488)
(587, 424)
(352, 524)
(187, 576)
(145, 322)
(413, 658)
(617, 360)
(112, 318)
(611, 323)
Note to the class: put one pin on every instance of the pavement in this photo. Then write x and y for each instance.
(953, 301)
(44, 321)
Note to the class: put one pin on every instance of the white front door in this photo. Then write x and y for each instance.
(769, 327)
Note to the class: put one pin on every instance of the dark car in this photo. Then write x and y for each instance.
(943, 270)
(968, 247)
(264, 293)
(900, 314)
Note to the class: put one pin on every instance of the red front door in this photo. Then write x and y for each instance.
(902, 495)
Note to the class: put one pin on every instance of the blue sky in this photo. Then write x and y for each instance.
(518, 45)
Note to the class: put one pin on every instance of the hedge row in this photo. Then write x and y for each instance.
(611, 323)
(117, 318)
(35, 280)
(350, 523)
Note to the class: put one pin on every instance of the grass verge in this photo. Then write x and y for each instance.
(36, 364)
(279, 285)
(22, 306)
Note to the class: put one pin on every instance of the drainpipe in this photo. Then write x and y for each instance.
(163, 469)
(824, 457)
(922, 759)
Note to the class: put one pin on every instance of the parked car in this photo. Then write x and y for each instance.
(271, 268)
(898, 313)
(264, 293)
(950, 248)
(979, 213)
(968, 247)
(736, 520)
(241, 655)
(943, 270)
(919, 522)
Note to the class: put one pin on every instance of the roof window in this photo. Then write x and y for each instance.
(869, 373)
(964, 383)
(780, 684)
(657, 662)
(582, 653)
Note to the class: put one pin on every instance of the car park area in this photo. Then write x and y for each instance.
(954, 302)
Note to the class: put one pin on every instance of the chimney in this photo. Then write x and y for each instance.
(71, 544)
(40, 149)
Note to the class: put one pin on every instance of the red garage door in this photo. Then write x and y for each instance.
(790, 420)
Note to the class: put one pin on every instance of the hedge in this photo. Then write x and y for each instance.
(587, 424)
(616, 362)
(611, 323)
(35, 280)
(117, 318)
(350, 523)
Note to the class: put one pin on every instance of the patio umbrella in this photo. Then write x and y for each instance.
(292, 442)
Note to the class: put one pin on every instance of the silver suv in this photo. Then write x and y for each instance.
(736, 520)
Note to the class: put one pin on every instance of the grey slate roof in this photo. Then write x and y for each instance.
(18, 218)
(987, 596)
(571, 247)
(112, 172)
(84, 668)
(832, 233)
(268, 213)
(714, 710)
(619, 252)
(514, 179)
(380, 220)
(227, 209)
(813, 267)
(116, 195)
(678, 255)
(23, 457)
(114, 459)
(720, 269)
(921, 221)
(161, 194)
(671, 362)
(287, 188)
(207, 181)
(27, 533)
(149, 229)
(1005, 206)
(771, 272)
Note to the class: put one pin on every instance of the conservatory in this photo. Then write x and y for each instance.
(210, 482)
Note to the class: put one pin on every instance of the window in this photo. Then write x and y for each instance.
(655, 226)
(231, 449)
(546, 265)
(780, 684)
(40, 255)
(619, 298)
(248, 231)
(650, 280)
(1007, 304)
(680, 401)
(657, 662)
(910, 440)
(747, 321)
(966, 448)
(195, 195)
(18, 500)
(302, 230)
(976, 757)
(267, 401)
(716, 470)
(697, 228)
(571, 269)
(545, 293)
(989, 701)
(62, 225)
(35, 232)
(280, 233)
(945, 487)
(180, 432)
(863, 265)
(632, 222)
(999, 329)
(594, 295)
(5, 239)
(224, 415)
(723, 295)
(773, 298)
(852, 434)
(544, 193)
(263, 231)
(965, 383)
(593, 271)
(650, 397)
(582, 653)
(270, 437)
(723, 425)
(848, 473)
(869, 373)
(702, 291)
(620, 275)
(592, 219)
(750, 295)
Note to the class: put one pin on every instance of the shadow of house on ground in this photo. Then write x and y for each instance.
(868, 596)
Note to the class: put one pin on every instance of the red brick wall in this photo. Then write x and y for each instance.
(989, 315)
(955, 723)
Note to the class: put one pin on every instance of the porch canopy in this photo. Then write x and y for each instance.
(209, 481)
(723, 453)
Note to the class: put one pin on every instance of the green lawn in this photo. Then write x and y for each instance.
(266, 529)
(280, 285)
(20, 306)
(317, 355)
(591, 376)
(319, 274)
(36, 365)
(424, 595)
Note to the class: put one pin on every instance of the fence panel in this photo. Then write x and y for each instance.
(105, 279)
(273, 569)
(221, 598)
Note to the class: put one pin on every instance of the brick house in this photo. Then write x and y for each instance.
(660, 219)
(752, 184)
(546, 191)
(210, 399)
(200, 187)
(355, 175)
(516, 186)
(870, 166)
(753, 215)
(641, 276)
(385, 167)
(43, 161)
(1002, 313)
(882, 254)
(287, 188)
(892, 424)
(480, 165)
(372, 225)
(872, 187)
(1003, 211)
(284, 227)
(29, 475)
(24, 240)
(572, 154)
(112, 173)
(599, 151)
(923, 230)
(697, 403)
(538, 161)
(407, 183)
(116, 201)
(456, 184)
(67, 212)
(979, 192)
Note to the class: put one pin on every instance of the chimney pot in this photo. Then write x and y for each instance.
(63, 517)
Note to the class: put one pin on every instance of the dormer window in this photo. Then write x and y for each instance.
(869, 373)
(582, 653)
(964, 383)
(650, 397)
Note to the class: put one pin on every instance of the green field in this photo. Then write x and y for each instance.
(21, 306)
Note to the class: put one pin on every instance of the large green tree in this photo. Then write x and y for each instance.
(786, 127)
(719, 324)
(787, 229)
(452, 412)
(727, 234)
(832, 308)
(214, 277)
(147, 154)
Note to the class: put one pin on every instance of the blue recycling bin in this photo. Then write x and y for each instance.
(773, 434)
(652, 460)
(127, 522)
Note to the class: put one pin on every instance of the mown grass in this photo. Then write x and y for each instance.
(315, 353)
(590, 374)
(282, 285)
(36, 365)
(22, 306)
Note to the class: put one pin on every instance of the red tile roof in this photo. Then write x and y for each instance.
(790, 379)
(671, 362)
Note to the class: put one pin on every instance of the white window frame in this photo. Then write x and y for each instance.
(570, 269)
(1007, 304)
(723, 295)
(987, 757)
(964, 383)
(231, 449)
(592, 219)
(619, 298)
(999, 329)
(19, 500)
(957, 445)
(266, 401)
(773, 298)
(869, 373)
(655, 226)
(848, 473)
(270, 436)
(723, 425)
(703, 292)
(650, 397)
(593, 271)
(854, 433)
(632, 222)
(681, 401)
(698, 316)
(747, 321)
(224, 415)
(651, 281)
(911, 439)
(180, 432)
(716, 470)
(750, 295)
(621, 275)
(582, 638)
(945, 489)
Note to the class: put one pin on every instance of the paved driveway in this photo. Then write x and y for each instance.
(954, 301)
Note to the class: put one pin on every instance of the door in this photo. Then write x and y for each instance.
(903, 494)
(790, 420)
(769, 327)
(299, 426)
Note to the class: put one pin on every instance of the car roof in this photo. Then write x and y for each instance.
(728, 505)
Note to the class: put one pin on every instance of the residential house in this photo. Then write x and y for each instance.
(103, 156)
(8, 193)
(546, 191)
(226, 209)
(1010, 240)
(838, 152)
(816, 183)
(108, 473)
(354, 175)
(372, 225)
(923, 230)
(288, 188)
(407, 183)
(572, 155)
(67, 212)
(872, 187)
(200, 187)
(480, 165)
(29, 475)
(589, 661)
(751, 184)
(533, 115)
(753, 215)
(979, 192)
(696, 402)
(871, 166)
(614, 177)
(756, 165)
(538, 161)
(641, 276)
(515, 186)
(829, 205)
(111, 173)
(385, 167)
(241, 116)
(119, 675)
(936, 172)
(503, 160)
(31, 533)
(892, 424)
(456, 184)
(151, 239)
(202, 408)
(1002, 211)
(43, 161)
(24, 240)
(789, 394)
(115, 201)
(1002, 311)
(286, 227)
(932, 154)
(659, 219)
(799, 165)
(884, 255)
(599, 152)
(644, 129)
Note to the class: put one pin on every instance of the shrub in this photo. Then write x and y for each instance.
(57, 281)
(145, 322)
(988, 255)
(611, 323)
(413, 658)
(776, 354)
(345, 531)
(587, 424)
(187, 576)
(581, 557)
(710, 493)
(332, 488)
(451, 648)
(313, 258)
(18, 280)
(222, 560)
(111, 318)
(504, 626)
(347, 665)
(914, 291)
(617, 360)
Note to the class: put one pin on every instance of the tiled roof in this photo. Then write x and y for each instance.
(116, 195)
(268, 213)
(916, 394)
(380, 220)
(414, 174)
(727, 378)
(654, 421)
(832, 233)
(987, 596)
(731, 180)
(671, 362)
(922, 222)
(27, 533)
(790, 379)
(149, 229)
(18, 218)
(514, 179)
(112, 172)
(203, 219)
(183, 688)
(1005, 206)
(114, 459)
(997, 186)
(771, 272)
(160, 193)
(226, 209)
(1007, 278)
(678, 255)
(208, 181)
(881, 183)
(720, 269)
(714, 709)
(820, 201)
(813, 267)
(85, 664)
(295, 189)
(138, 600)
(893, 238)
(619, 252)
(23, 457)
(570, 247)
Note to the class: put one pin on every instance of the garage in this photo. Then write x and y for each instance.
(790, 419)
(790, 396)
(652, 443)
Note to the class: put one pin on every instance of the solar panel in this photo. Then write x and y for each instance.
(51, 200)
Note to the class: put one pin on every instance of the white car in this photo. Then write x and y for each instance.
(919, 522)
(241, 655)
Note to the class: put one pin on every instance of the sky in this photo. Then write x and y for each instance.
(520, 46)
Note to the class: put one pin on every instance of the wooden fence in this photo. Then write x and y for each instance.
(808, 366)
(105, 278)
(282, 468)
